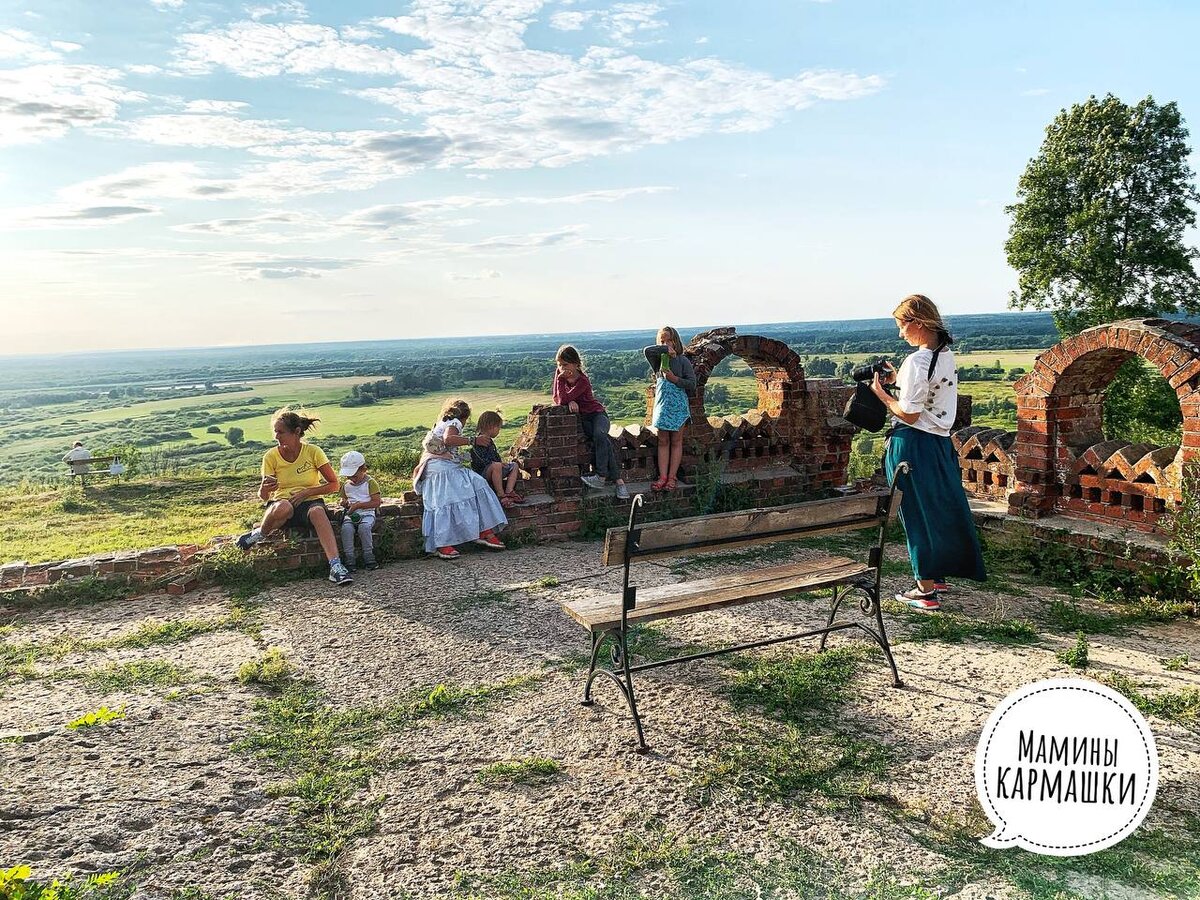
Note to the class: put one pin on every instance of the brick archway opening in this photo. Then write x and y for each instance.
(759, 435)
(1065, 464)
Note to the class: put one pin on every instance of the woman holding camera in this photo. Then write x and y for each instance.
(937, 520)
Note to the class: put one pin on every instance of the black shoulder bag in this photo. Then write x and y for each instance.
(865, 410)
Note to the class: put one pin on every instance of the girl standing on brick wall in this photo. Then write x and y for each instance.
(937, 519)
(459, 506)
(573, 390)
(296, 475)
(674, 384)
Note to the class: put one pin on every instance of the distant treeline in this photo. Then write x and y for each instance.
(104, 371)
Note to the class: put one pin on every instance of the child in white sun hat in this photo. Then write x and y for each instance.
(360, 500)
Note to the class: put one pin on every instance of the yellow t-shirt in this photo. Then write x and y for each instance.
(295, 476)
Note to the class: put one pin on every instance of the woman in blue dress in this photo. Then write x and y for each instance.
(674, 383)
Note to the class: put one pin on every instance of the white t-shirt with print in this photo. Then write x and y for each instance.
(935, 398)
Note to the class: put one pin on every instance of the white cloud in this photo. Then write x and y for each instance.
(214, 106)
(481, 275)
(282, 267)
(40, 102)
(16, 44)
(287, 9)
(66, 46)
(572, 20)
(260, 49)
(144, 70)
(626, 22)
(168, 4)
(479, 97)
(65, 216)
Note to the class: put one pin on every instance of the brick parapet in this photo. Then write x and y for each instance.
(1063, 463)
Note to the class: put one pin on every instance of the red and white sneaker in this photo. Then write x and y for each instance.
(940, 585)
(488, 539)
(446, 553)
(927, 601)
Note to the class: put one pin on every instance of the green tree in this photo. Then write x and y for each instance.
(1097, 230)
(235, 435)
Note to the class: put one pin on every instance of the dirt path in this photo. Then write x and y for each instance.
(366, 786)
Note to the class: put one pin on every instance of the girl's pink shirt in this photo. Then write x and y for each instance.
(580, 392)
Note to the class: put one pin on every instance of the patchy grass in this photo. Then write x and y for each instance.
(450, 699)
(102, 716)
(72, 592)
(272, 670)
(799, 687)
(481, 600)
(1175, 663)
(534, 770)
(127, 676)
(18, 883)
(807, 748)
(650, 862)
(546, 581)
(1067, 616)
(1182, 706)
(782, 762)
(1164, 862)
(1076, 656)
(953, 628)
(20, 659)
(327, 758)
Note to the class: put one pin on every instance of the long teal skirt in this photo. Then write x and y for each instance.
(937, 520)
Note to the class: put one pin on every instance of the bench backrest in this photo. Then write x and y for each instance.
(724, 531)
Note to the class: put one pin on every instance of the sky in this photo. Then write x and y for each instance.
(189, 173)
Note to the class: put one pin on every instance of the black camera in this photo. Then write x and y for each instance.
(867, 372)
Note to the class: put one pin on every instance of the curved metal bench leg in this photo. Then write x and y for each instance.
(885, 643)
(624, 685)
(838, 594)
(597, 640)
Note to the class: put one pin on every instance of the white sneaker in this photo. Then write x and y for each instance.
(593, 481)
(622, 492)
(339, 574)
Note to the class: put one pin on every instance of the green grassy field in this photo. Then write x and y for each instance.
(35, 439)
(62, 523)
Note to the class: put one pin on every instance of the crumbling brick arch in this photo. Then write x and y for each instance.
(777, 369)
(1064, 463)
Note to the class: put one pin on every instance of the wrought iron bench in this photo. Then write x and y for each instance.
(608, 618)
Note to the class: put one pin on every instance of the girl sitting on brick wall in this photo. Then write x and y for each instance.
(459, 506)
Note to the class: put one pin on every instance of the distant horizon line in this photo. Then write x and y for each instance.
(522, 334)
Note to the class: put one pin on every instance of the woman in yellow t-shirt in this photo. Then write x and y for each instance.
(295, 476)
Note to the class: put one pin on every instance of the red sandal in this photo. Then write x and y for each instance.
(659, 485)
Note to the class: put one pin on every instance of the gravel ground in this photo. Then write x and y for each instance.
(165, 796)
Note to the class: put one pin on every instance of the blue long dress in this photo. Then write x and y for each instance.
(458, 504)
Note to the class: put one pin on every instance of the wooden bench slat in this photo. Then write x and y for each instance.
(731, 530)
(604, 611)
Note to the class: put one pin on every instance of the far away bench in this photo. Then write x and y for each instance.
(610, 616)
(95, 467)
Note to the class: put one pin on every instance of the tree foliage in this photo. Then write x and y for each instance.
(1097, 229)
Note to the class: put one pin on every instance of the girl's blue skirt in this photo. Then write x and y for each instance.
(937, 519)
(458, 503)
(671, 408)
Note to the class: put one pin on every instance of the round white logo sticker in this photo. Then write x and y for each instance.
(1065, 767)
